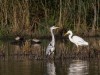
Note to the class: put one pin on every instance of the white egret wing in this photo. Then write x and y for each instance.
(77, 38)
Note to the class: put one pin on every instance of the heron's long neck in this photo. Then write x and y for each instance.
(53, 38)
(70, 36)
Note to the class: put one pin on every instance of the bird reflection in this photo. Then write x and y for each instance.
(51, 68)
(78, 67)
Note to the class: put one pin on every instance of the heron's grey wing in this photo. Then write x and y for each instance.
(49, 49)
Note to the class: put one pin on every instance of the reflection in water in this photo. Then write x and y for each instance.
(78, 67)
(51, 68)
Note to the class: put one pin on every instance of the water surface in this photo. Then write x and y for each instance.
(14, 62)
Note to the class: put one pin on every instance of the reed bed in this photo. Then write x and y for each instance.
(34, 17)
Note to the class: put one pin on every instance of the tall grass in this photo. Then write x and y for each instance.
(34, 17)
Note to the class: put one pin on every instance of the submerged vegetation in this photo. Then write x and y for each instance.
(34, 17)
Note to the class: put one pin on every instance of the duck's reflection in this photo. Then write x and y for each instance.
(51, 68)
(78, 67)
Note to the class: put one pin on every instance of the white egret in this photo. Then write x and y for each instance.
(78, 41)
(51, 47)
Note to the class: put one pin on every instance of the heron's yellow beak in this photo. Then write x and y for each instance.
(65, 34)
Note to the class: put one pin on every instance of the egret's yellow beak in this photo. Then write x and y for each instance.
(65, 34)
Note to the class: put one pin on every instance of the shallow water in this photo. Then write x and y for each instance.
(14, 62)
(68, 67)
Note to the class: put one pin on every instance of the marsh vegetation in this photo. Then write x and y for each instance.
(34, 17)
(64, 50)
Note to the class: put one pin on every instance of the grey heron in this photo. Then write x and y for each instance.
(51, 47)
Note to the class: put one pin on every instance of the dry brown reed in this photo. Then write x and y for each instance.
(17, 16)
(26, 46)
